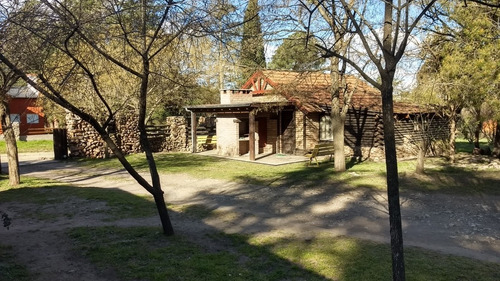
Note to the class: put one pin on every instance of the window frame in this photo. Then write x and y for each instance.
(15, 118)
(325, 127)
(30, 120)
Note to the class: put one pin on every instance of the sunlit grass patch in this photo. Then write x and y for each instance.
(439, 175)
(145, 254)
(463, 145)
(30, 146)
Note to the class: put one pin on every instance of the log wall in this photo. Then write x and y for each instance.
(364, 134)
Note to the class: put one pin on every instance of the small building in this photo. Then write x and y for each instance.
(26, 111)
(289, 112)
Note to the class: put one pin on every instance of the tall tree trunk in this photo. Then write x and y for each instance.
(477, 134)
(338, 140)
(155, 189)
(11, 143)
(453, 136)
(163, 213)
(398, 267)
(496, 141)
(422, 147)
(387, 76)
(337, 118)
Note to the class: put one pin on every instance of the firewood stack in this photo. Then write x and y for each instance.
(84, 141)
(178, 138)
(127, 134)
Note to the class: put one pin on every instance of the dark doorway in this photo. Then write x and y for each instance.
(287, 132)
(262, 131)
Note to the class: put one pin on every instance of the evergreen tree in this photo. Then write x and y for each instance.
(252, 55)
(461, 70)
(293, 54)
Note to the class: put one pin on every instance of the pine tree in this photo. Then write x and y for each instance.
(293, 54)
(252, 55)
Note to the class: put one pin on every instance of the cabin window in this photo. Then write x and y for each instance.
(32, 118)
(325, 128)
(15, 118)
(244, 128)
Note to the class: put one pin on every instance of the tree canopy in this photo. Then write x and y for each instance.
(462, 64)
(297, 52)
(97, 58)
(252, 54)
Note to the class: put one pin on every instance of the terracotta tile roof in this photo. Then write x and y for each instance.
(310, 91)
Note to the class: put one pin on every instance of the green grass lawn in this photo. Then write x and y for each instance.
(30, 146)
(144, 253)
(463, 145)
(439, 177)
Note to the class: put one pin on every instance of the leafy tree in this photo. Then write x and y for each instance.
(252, 55)
(100, 44)
(461, 67)
(11, 38)
(295, 54)
(336, 24)
(382, 32)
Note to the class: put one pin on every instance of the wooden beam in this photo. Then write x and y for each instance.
(280, 136)
(304, 132)
(194, 125)
(251, 135)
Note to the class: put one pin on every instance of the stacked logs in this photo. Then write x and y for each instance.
(127, 134)
(178, 137)
(84, 141)
(173, 136)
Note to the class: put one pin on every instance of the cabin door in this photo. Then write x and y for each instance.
(262, 131)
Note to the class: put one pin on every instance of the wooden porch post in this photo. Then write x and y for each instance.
(194, 124)
(304, 132)
(280, 136)
(251, 135)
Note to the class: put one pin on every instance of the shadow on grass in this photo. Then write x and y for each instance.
(450, 179)
(141, 252)
(200, 251)
(63, 198)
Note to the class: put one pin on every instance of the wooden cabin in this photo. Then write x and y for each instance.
(289, 112)
(26, 111)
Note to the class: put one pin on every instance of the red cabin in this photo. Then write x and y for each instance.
(25, 110)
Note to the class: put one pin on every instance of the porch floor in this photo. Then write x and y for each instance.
(265, 158)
